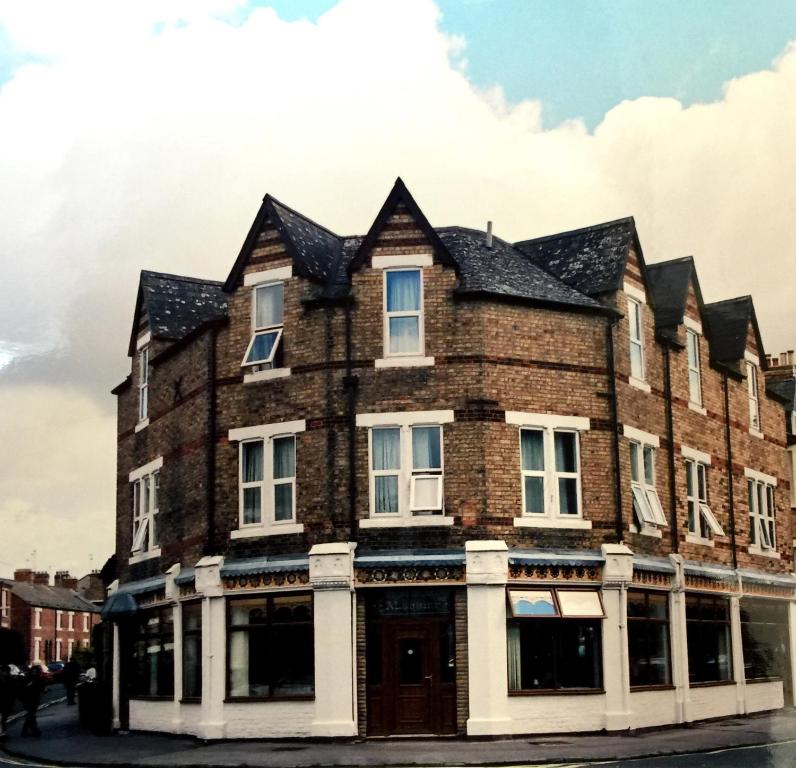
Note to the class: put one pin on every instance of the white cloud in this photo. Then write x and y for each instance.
(146, 134)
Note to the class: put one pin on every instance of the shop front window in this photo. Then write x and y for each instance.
(192, 651)
(648, 638)
(764, 634)
(153, 654)
(707, 621)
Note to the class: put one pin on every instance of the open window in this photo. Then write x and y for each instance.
(646, 502)
(702, 523)
(267, 326)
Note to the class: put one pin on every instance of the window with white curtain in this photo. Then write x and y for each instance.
(550, 468)
(694, 373)
(754, 405)
(268, 481)
(403, 312)
(267, 326)
(635, 316)
(143, 383)
(646, 502)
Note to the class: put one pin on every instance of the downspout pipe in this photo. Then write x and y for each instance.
(609, 346)
(210, 541)
(350, 387)
(728, 445)
(667, 395)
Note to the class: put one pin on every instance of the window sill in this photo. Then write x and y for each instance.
(692, 538)
(191, 700)
(549, 522)
(259, 531)
(141, 425)
(560, 692)
(647, 530)
(711, 683)
(755, 680)
(266, 699)
(659, 687)
(409, 361)
(639, 384)
(266, 375)
(697, 408)
(152, 698)
(756, 433)
(424, 521)
(141, 556)
(772, 553)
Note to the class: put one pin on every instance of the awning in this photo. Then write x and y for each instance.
(769, 579)
(652, 564)
(265, 564)
(185, 576)
(409, 557)
(120, 605)
(145, 585)
(584, 558)
(712, 572)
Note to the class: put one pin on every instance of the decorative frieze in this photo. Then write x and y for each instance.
(565, 573)
(409, 574)
(267, 580)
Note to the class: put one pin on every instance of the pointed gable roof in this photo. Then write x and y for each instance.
(399, 194)
(669, 281)
(314, 249)
(728, 323)
(176, 305)
(591, 260)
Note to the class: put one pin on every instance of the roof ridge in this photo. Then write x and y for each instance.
(183, 278)
(745, 297)
(677, 260)
(579, 231)
(302, 216)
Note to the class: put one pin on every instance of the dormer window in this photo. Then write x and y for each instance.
(635, 317)
(267, 324)
(143, 384)
(403, 312)
(694, 374)
(754, 405)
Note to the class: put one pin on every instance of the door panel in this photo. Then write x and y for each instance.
(412, 681)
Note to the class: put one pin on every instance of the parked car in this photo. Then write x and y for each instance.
(53, 671)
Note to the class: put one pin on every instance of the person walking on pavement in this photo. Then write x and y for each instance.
(71, 675)
(31, 698)
(7, 696)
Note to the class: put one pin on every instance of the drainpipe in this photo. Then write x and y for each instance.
(211, 442)
(728, 444)
(609, 345)
(667, 397)
(350, 386)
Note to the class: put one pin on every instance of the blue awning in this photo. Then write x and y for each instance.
(145, 585)
(120, 605)
(711, 571)
(583, 558)
(265, 564)
(769, 579)
(653, 564)
(185, 576)
(409, 557)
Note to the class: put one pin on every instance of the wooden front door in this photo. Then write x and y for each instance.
(411, 683)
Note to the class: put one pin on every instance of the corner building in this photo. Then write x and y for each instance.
(426, 481)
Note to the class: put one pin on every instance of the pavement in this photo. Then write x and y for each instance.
(63, 742)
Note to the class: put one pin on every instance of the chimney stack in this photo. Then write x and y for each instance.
(24, 574)
(41, 577)
(63, 579)
(489, 234)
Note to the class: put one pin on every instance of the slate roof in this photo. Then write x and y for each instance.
(727, 323)
(45, 596)
(503, 270)
(668, 282)
(590, 260)
(785, 389)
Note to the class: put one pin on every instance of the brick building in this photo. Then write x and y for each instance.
(428, 481)
(52, 620)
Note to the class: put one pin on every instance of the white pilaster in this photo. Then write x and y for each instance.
(214, 646)
(738, 672)
(792, 648)
(617, 574)
(116, 667)
(173, 594)
(332, 580)
(679, 643)
(487, 574)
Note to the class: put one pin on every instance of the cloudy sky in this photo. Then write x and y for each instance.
(144, 134)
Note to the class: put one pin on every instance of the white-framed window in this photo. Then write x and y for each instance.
(143, 383)
(37, 649)
(754, 404)
(762, 511)
(267, 478)
(550, 469)
(635, 316)
(70, 646)
(702, 523)
(59, 619)
(58, 650)
(86, 624)
(146, 491)
(37, 619)
(404, 334)
(4, 610)
(694, 372)
(70, 621)
(268, 306)
(406, 467)
(646, 502)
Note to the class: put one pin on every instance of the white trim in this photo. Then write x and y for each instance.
(404, 418)
(274, 529)
(639, 294)
(143, 340)
(695, 538)
(266, 375)
(547, 420)
(692, 325)
(695, 455)
(560, 521)
(265, 431)
(419, 313)
(751, 357)
(141, 556)
(402, 260)
(639, 435)
(697, 408)
(277, 275)
(393, 521)
(647, 530)
(411, 361)
(772, 553)
(753, 474)
(756, 433)
(142, 425)
(639, 384)
(146, 469)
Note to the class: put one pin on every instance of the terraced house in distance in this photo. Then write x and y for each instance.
(427, 481)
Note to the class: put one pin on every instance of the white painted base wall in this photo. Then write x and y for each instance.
(269, 720)
(763, 696)
(556, 714)
(712, 701)
(651, 708)
(152, 716)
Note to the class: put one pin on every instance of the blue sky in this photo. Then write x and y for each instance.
(582, 57)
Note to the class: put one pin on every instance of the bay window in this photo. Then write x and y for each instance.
(554, 640)
(403, 312)
(153, 654)
(649, 649)
(707, 620)
(271, 651)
